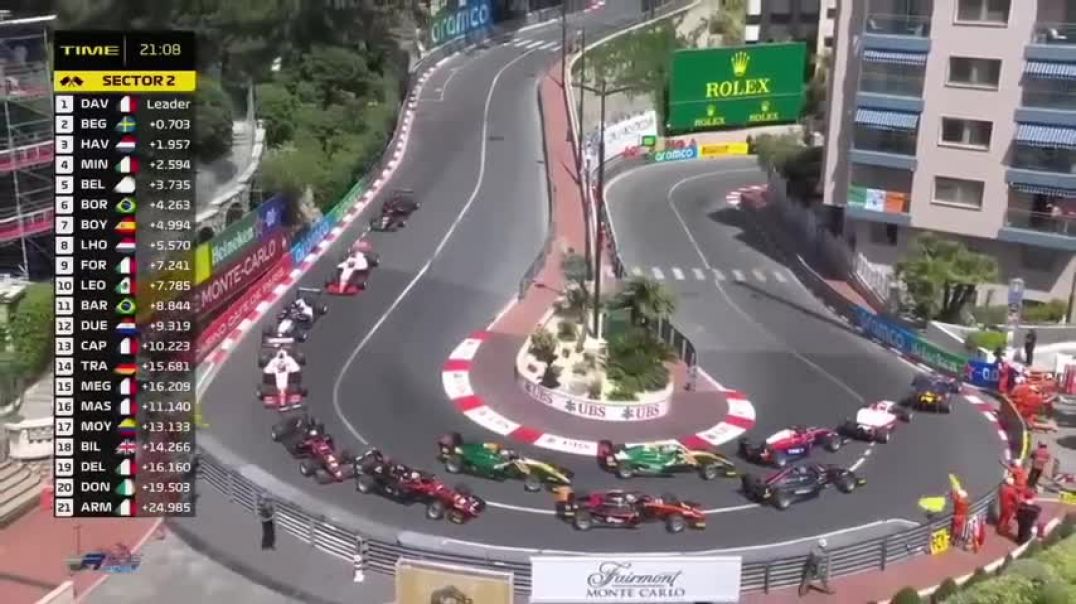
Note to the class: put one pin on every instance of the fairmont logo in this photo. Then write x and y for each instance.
(617, 579)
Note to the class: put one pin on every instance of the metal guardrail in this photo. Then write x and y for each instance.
(551, 223)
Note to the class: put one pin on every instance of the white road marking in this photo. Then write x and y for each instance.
(780, 277)
(520, 43)
(720, 276)
(761, 276)
(738, 275)
(549, 45)
(700, 275)
(657, 273)
(678, 274)
(444, 85)
(429, 262)
(535, 44)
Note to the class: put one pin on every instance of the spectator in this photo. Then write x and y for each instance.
(266, 513)
(1026, 517)
(816, 568)
(1008, 501)
(1039, 460)
(1030, 340)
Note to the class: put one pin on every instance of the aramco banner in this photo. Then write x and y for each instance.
(735, 87)
(452, 24)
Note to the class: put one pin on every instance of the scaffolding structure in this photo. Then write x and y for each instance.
(26, 144)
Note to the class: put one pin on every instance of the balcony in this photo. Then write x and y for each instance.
(884, 148)
(878, 205)
(1053, 41)
(1041, 229)
(891, 86)
(1049, 94)
(907, 33)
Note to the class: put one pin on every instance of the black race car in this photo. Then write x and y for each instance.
(395, 211)
(294, 321)
(378, 474)
(933, 393)
(797, 483)
(296, 431)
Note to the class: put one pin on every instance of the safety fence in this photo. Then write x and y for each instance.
(381, 554)
(551, 225)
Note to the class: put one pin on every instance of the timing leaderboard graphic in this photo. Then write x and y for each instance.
(125, 215)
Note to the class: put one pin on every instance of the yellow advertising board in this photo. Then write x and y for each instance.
(940, 541)
(722, 149)
(421, 582)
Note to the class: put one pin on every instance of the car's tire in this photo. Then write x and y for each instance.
(435, 510)
(531, 483)
(308, 468)
(675, 523)
(301, 337)
(303, 391)
(454, 464)
(321, 310)
(582, 521)
(456, 517)
(347, 455)
(365, 484)
(945, 408)
(846, 483)
(300, 358)
(624, 470)
(779, 460)
(709, 471)
(451, 440)
(782, 501)
(263, 360)
(833, 443)
(884, 435)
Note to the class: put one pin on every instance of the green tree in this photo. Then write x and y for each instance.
(213, 120)
(729, 22)
(31, 330)
(291, 170)
(276, 108)
(942, 276)
(544, 346)
(647, 300)
(636, 361)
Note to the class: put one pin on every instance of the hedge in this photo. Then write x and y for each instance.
(31, 330)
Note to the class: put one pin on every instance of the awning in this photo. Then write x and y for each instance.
(1046, 137)
(887, 120)
(1050, 70)
(1041, 190)
(895, 58)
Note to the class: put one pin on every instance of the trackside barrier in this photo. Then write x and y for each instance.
(551, 226)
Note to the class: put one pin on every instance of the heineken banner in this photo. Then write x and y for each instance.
(736, 87)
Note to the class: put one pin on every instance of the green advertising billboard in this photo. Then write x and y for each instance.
(736, 87)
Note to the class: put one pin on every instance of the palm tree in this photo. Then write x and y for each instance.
(646, 299)
(574, 268)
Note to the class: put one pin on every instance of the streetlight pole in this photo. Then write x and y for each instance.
(582, 93)
(563, 40)
(599, 231)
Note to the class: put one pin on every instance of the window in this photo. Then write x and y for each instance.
(969, 133)
(981, 73)
(884, 234)
(958, 192)
(983, 11)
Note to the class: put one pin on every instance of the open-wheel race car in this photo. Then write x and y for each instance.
(876, 422)
(497, 462)
(627, 509)
(378, 474)
(306, 439)
(395, 211)
(352, 271)
(662, 459)
(294, 321)
(282, 388)
(797, 483)
(790, 444)
(933, 393)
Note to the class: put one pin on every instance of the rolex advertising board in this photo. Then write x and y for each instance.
(736, 87)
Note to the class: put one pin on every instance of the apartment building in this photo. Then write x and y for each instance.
(958, 116)
(810, 21)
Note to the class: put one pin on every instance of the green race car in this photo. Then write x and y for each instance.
(662, 459)
(497, 462)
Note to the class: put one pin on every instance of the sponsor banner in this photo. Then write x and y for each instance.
(982, 374)
(203, 263)
(321, 228)
(435, 583)
(736, 86)
(937, 358)
(625, 578)
(908, 343)
(623, 136)
(722, 149)
(212, 335)
(256, 226)
(452, 24)
(676, 154)
(240, 275)
(595, 410)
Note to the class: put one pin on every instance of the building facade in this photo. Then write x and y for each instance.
(809, 21)
(959, 117)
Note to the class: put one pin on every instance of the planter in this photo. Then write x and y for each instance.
(650, 406)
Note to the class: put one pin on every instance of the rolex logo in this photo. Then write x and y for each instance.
(711, 110)
(765, 106)
(740, 61)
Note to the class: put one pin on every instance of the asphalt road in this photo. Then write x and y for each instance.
(760, 331)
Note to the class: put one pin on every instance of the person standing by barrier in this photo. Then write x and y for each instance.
(1026, 517)
(1030, 340)
(1039, 460)
(1008, 501)
(816, 568)
(266, 515)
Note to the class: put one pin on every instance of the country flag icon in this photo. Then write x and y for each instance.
(127, 205)
(126, 487)
(127, 226)
(127, 447)
(127, 327)
(127, 467)
(126, 144)
(127, 245)
(125, 186)
(126, 369)
(127, 266)
(125, 508)
(128, 104)
(127, 165)
(128, 428)
(128, 387)
(126, 306)
(125, 287)
(128, 346)
(128, 407)
(127, 125)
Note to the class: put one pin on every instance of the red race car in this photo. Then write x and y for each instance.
(627, 509)
(875, 422)
(378, 474)
(790, 444)
(281, 386)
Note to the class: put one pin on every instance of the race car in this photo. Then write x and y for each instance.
(378, 474)
(662, 459)
(627, 509)
(395, 211)
(797, 483)
(934, 393)
(292, 430)
(295, 320)
(790, 444)
(495, 461)
(351, 275)
(281, 386)
(266, 356)
(875, 422)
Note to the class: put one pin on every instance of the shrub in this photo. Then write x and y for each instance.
(591, 360)
(636, 361)
(622, 393)
(1033, 548)
(1035, 571)
(594, 389)
(1004, 565)
(1057, 592)
(544, 345)
(1048, 312)
(947, 588)
(908, 595)
(551, 376)
(579, 368)
(1051, 539)
(978, 576)
(988, 339)
(31, 330)
(1007, 589)
(991, 315)
(567, 331)
(1061, 558)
